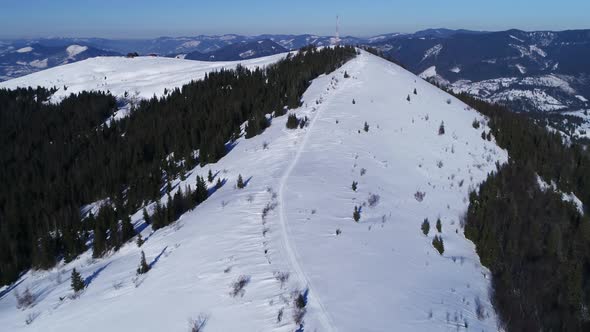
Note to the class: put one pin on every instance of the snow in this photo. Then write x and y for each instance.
(189, 44)
(74, 50)
(39, 63)
(521, 68)
(380, 274)
(433, 51)
(246, 54)
(539, 51)
(582, 98)
(24, 49)
(566, 197)
(148, 76)
(455, 69)
(430, 72)
(520, 40)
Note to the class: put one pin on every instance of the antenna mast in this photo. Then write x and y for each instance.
(337, 38)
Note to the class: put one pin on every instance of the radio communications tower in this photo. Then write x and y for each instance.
(337, 37)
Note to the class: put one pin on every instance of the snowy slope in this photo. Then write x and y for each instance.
(141, 77)
(381, 274)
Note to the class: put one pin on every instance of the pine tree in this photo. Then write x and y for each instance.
(146, 216)
(425, 226)
(353, 101)
(127, 230)
(438, 225)
(210, 176)
(408, 99)
(201, 192)
(77, 282)
(483, 135)
(140, 240)
(292, 121)
(346, 74)
(366, 127)
(240, 183)
(438, 244)
(441, 129)
(218, 184)
(143, 266)
(356, 215)
(415, 91)
(354, 185)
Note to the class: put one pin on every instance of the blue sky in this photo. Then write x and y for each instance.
(147, 18)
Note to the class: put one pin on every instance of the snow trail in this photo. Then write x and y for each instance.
(291, 251)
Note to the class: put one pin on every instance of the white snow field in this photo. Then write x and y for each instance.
(140, 77)
(380, 274)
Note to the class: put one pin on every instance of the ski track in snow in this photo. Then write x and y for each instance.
(291, 251)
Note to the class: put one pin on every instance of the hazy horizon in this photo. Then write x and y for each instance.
(135, 19)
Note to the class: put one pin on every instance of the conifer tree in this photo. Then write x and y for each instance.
(127, 229)
(77, 282)
(240, 184)
(366, 127)
(292, 121)
(146, 216)
(354, 185)
(415, 91)
(408, 99)
(218, 184)
(210, 176)
(201, 192)
(438, 244)
(356, 215)
(441, 128)
(438, 225)
(425, 226)
(143, 266)
(140, 240)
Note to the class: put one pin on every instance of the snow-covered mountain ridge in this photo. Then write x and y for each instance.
(380, 274)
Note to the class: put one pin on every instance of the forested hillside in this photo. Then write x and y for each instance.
(527, 230)
(63, 156)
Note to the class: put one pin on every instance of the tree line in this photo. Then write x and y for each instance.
(535, 243)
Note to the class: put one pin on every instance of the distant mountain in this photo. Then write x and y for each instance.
(240, 51)
(15, 62)
(542, 70)
(535, 70)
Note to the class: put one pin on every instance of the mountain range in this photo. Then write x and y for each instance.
(532, 71)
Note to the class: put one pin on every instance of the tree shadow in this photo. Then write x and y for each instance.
(247, 181)
(95, 274)
(230, 146)
(158, 257)
(10, 288)
(212, 190)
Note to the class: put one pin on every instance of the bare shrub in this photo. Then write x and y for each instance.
(237, 287)
(265, 145)
(299, 309)
(281, 277)
(373, 200)
(269, 207)
(280, 315)
(31, 317)
(419, 196)
(198, 324)
(24, 300)
(480, 309)
(117, 285)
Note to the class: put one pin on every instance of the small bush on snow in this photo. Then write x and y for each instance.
(238, 286)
